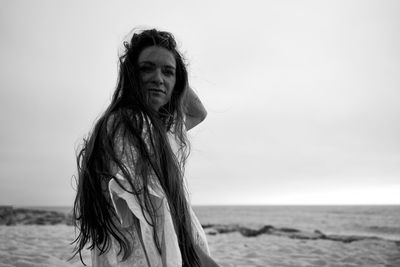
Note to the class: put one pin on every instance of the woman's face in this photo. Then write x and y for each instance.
(157, 68)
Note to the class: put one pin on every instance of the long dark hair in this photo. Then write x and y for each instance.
(126, 118)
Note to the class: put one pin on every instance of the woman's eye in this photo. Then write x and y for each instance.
(145, 68)
(169, 72)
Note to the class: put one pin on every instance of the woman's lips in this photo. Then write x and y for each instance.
(158, 91)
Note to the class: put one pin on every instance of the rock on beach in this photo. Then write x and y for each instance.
(23, 216)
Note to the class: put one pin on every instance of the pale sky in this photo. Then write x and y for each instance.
(302, 96)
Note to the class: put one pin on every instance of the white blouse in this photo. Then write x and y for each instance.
(145, 253)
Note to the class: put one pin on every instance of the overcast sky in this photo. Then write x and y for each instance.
(302, 96)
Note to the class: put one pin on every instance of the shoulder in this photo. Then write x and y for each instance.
(126, 118)
(127, 127)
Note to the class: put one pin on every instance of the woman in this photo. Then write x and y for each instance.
(131, 206)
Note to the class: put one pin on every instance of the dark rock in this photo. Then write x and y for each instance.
(12, 216)
(289, 230)
(318, 232)
(267, 228)
(6, 215)
(305, 236)
(223, 229)
(212, 232)
(207, 226)
(249, 232)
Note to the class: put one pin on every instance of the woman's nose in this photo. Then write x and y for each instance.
(157, 77)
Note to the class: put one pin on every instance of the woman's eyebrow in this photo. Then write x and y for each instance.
(146, 62)
(170, 67)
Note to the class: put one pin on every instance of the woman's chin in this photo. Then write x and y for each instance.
(156, 104)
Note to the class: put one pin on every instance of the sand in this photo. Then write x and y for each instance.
(234, 250)
(49, 245)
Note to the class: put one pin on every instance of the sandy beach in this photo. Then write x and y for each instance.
(30, 237)
(49, 245)
(234, 250)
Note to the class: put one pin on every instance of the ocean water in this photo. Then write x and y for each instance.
(378, 221)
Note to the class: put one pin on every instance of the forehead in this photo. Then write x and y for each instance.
(157, 55)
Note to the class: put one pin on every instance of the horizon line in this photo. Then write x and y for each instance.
(230, 204)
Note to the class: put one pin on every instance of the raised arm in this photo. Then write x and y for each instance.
(195, 111)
